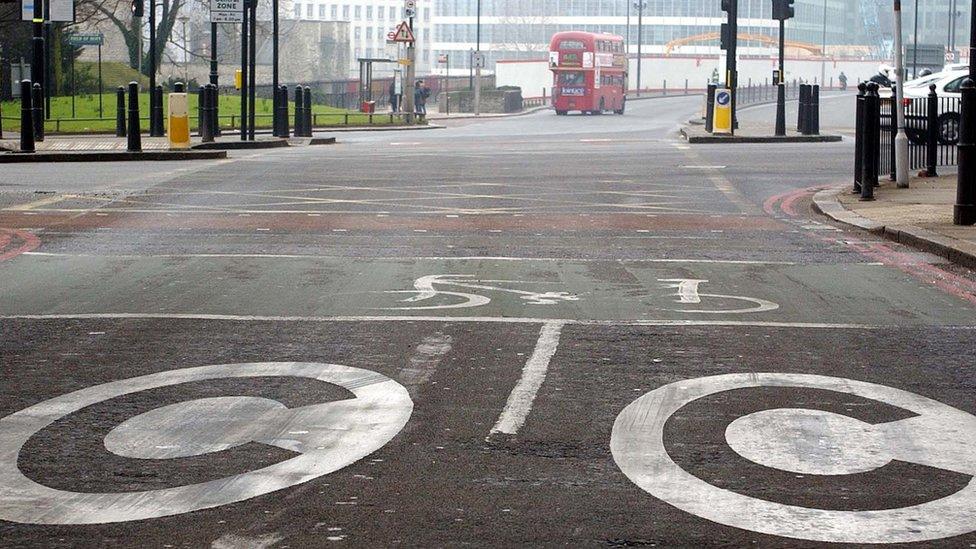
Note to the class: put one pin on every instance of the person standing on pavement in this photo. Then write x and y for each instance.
(843, 81)
(420, 95)
(394, 100)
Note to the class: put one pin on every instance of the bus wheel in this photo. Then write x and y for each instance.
(561, 113)
(622, 107)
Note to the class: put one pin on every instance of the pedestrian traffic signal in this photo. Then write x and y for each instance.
(783, 10)
(138, 8)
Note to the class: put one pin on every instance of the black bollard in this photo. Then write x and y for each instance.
(307, 126)
(872, 142)
(206, 114)
(135, 127)
(26, 116)
(814, 111)
(803, 114)
(859, 136)
(964, 212)
(932, 142)
(285, 129)
(710, 108)
(37, 99)
(120, 112)
(202, 119)
(299, 107)
(215, 101)
(156, 126)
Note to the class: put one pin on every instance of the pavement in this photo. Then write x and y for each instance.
(529, 331)
(920, 215)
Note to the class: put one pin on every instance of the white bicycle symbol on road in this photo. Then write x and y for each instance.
(427, 288)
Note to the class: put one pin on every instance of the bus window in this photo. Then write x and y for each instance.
(571, 79)
(571, 45)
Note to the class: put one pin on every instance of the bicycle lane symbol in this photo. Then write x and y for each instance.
(427, 288)
(688, 292)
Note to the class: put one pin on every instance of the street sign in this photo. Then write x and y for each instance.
(403, 33)
(479, 60)
(226, 11)
(86, 39)
(62, 11)
(722, 119)
(442, 58)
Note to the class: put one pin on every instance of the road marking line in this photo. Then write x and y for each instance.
(428, 258)
(533, 374)
(424, 362)
(470, 319)
(38, 203)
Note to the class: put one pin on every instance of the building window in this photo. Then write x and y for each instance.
(321, 11)
(335, 12)
(308, 10)
(359, 13)
(369, 13)
(298, 11)
(345, 13)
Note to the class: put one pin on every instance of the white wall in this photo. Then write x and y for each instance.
(533, 76)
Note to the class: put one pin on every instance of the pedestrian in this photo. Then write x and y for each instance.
(843, 81)
(394, 99)
(420, 95)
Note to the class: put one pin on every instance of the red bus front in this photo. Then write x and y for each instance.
(589, 72)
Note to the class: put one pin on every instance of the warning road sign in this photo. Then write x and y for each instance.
(403, 33)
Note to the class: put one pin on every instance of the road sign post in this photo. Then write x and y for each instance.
(404, 35)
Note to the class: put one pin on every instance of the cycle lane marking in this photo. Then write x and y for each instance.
(522, 397)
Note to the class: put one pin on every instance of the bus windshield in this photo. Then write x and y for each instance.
(574, 78)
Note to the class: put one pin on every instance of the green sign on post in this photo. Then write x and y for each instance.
(86, 39)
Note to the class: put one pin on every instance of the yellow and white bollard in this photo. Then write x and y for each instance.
(179, 120)
(722, 117)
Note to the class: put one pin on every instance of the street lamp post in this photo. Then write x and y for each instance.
(915, 44)
(186, 51)
(154, 131)
(639, 4)
(901, 138)
(823, 48)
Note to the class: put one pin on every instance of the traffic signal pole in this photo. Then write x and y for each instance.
(37, 45)
(731, 69)
(780, 88)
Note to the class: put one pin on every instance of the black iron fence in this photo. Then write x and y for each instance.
(944, 120)
(931, 126)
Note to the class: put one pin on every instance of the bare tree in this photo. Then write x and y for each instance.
(119, 14)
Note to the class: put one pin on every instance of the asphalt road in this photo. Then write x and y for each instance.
(533, 331)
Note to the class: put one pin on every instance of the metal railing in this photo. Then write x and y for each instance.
(231, 122)
(917, 127)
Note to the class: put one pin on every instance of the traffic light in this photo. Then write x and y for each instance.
(783, 10)
(725, 37)
(138, 8)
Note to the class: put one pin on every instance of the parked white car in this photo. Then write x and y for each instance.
(947, 84)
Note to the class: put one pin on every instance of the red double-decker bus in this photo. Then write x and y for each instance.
(589, 73)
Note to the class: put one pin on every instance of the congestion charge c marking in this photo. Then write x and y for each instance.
(326, 436)
(28, 242)
(807, 442)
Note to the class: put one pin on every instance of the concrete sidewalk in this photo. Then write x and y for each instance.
(920, 216)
